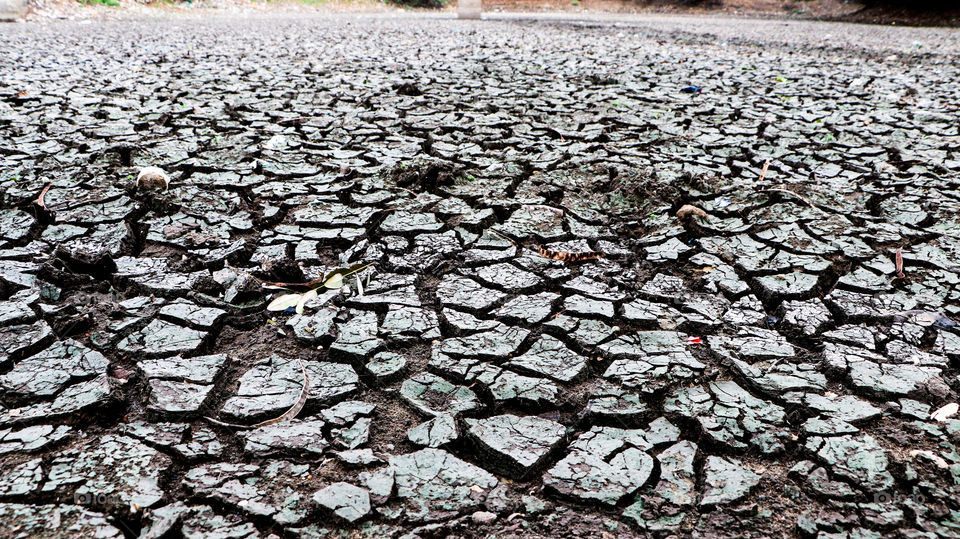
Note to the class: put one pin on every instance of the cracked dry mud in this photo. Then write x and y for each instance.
(761, 372)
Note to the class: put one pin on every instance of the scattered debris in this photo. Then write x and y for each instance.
(287, 416)
(945, 412)
(931, 456)
(153, 179)
(688, 210)
(43, 193)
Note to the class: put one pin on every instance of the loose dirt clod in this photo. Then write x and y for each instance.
(688, 211)
(153, 179)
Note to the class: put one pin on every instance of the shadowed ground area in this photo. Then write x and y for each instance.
(596, 305)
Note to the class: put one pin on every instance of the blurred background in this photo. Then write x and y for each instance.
(905, 12)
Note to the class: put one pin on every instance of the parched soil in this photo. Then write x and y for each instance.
(628, 276)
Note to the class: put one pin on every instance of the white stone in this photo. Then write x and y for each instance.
(466, 9)
(14, 9)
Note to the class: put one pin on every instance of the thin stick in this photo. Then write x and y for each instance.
(287, 416)
(790, 192)
(43, 193)
(562, 256)
(763, 174)
(415, 195)
(557, 211)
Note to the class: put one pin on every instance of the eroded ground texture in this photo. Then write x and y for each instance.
(759, 370)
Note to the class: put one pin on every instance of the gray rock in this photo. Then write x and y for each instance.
(386, 367)
(314, 327)
(505, 276)
(515, 446)
(726, 480)
(437, 432)
(530, 309)
(604, 465)
(483, 517)
(161, 338)
(349, 502)
(297, 437)
(677, 476)
(116, 468)
(650, 360)
(497, 343)
(74, 398)
(21, 479)
(357, 339)
(31, 439)
(23, 340)
(730, 415)
(858, 458)
(270, 491)
(551, 358)
(466, 294)
(432, 484)
(272, 386)
(433, 396)
(188, 314)
(22, 520)
(48, 372)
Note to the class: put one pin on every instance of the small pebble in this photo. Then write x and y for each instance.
(483, 517)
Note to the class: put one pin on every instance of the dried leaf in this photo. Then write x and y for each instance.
(335, 277)
(899, 261)
(688, 210)
(936, 459)
(334, 281)
(284, 302)
(359, 287)
(304, 298)
(945, 412)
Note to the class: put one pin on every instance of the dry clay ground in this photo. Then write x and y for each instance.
(763, 369)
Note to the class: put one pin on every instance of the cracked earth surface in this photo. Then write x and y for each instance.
(760, 372)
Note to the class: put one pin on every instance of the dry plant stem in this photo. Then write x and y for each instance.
(763, 174)
(287, 416)
(297, 286)
(562, 256)
(557, 211)
(899, 261)
(779, 190)
(43, 193)
(415, 195)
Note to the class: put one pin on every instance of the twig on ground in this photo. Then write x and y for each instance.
(557, 211)
(763, 174)
(415, 195)
(43, 193)
(780, 190)
(287, 416)
(899, 262)
(562, 256)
